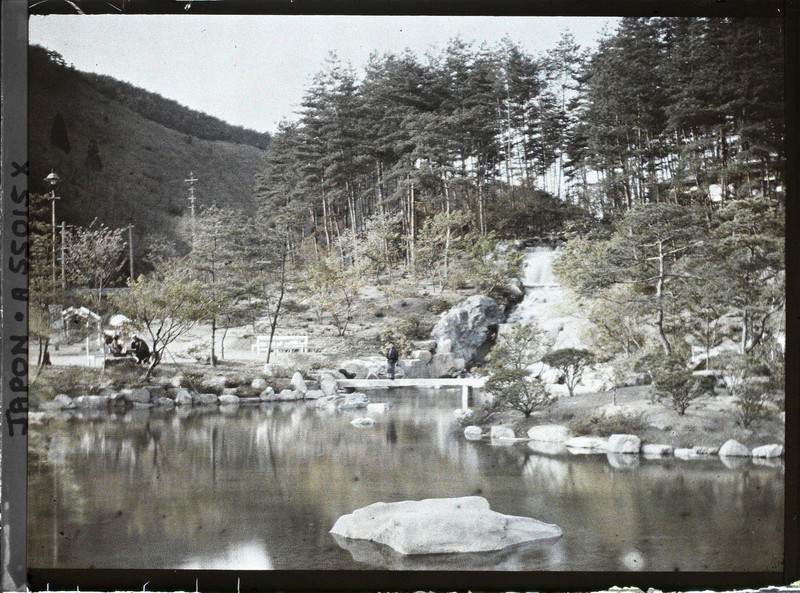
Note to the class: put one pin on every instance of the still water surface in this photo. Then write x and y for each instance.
(257, 488)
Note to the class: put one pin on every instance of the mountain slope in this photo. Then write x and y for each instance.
(124, 167)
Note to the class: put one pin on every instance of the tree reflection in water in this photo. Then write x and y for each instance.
(264, 484)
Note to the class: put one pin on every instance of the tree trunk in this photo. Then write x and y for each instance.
(273, 323)
(213, 341)
(662, 336)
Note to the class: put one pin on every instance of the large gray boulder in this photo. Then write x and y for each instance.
(468, 326)
(441, 526)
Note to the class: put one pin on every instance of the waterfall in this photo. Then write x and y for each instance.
(543, 293)
(552, 308)
(537, 268)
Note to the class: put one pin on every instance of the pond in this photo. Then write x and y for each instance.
(258, 488)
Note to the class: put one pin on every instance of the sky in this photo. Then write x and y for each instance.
(252, 70)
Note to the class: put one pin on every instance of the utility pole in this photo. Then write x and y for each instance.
(130, 248)
(192, 199)
(63, 251)
(53, 180)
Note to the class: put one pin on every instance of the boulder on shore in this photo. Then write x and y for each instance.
(624, 444)
(768, 451)
(586, 445)
(298, 383)
(205, 399)
(502, 432)
(733, 448)
(183, 397)
(473, 433)
(441, 526)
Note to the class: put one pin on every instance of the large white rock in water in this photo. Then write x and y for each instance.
(733, 448)
(624, 443)
(768, 451)
(468, 325)
(441, 526)
(549, 433)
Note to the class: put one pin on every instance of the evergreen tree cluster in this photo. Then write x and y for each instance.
(664, 110)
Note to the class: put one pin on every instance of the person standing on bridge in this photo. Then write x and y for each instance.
(392, 356)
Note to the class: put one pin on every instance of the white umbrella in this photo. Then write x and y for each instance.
(118, 320)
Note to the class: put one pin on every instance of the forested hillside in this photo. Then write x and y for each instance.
(660, 155)
(123, 153)
(664, 110)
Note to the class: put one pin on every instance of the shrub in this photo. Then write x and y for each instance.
(678, 387)
(513, 389)
(439, 306)
(604, 425)
(293, 306)
(750, 402)
(571, 362)
(413, 327)
(393, 336)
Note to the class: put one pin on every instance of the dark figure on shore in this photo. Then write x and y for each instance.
(392, 356)
(140, 350)
(116, 347)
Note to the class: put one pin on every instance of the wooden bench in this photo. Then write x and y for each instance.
(281, 344)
